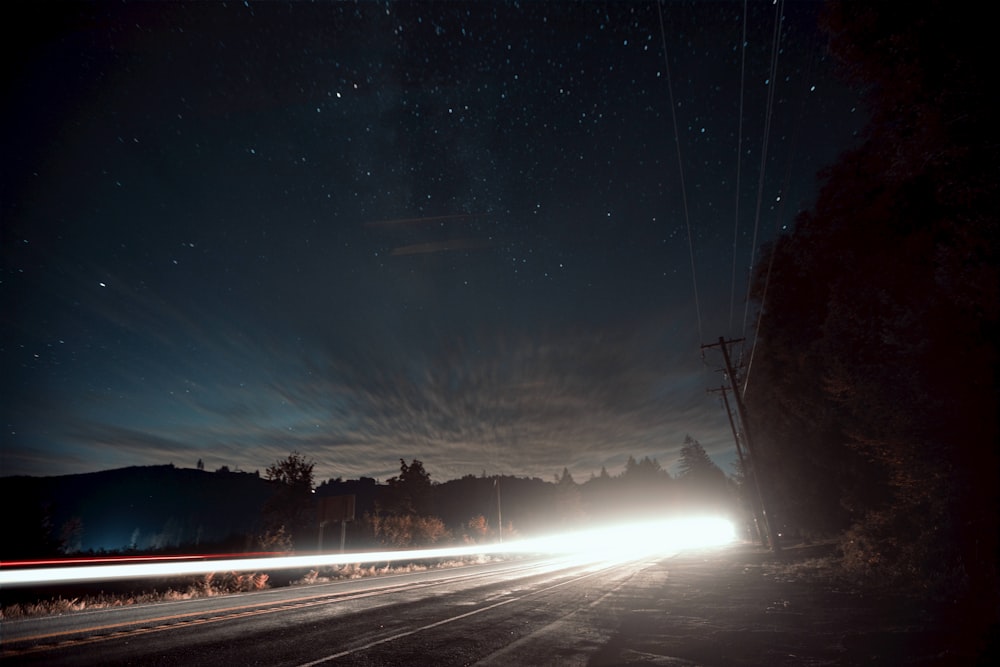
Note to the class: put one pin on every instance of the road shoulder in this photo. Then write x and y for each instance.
(742, 606)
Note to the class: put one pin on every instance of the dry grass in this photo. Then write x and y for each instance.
(208, 585)
(357, 571)
(212, 584)
(824, 568)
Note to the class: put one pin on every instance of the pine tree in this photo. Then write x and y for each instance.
(704, 482)
(695, 461)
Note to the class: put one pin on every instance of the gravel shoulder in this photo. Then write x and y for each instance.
(744, 606)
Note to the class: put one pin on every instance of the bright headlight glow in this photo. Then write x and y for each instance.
(636, 540)
(616, 543)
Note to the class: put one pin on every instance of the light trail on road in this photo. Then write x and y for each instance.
(616, 543)
(446, 621)
(499, 609)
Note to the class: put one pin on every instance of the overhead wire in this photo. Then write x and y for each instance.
(768, 116)
(767, 280)
(770, 259)
(739, 162)
(680, 167)
(772, 84)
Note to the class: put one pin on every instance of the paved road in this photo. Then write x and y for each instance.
(538, 611)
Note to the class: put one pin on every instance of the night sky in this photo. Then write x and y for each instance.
(451, 232)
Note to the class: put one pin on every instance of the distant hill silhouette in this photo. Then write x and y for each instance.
(163, 508)
(139, 508)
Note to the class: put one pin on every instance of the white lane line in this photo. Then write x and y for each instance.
(386, 640)
(503, 656)
(393, 638)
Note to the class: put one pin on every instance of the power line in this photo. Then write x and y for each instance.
(680, 166)
(772, 85)
(770, 260)
(739, 161)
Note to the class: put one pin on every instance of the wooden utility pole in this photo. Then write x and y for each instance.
(758, 520)
(496, 483)
(772, 532)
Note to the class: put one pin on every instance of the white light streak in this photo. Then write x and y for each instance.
(618, 543)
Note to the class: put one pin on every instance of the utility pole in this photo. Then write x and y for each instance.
(758, 520)
(496, 483)
(772, 533)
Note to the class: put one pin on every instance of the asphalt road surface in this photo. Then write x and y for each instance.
(532, 611)
(736, 606)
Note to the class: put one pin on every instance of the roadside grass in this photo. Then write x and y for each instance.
(144, 592)
(208, 585)
(360, 571)
(808, 565)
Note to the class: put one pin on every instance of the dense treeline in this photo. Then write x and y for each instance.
(873, 389)
(412, 510)
(166, 509)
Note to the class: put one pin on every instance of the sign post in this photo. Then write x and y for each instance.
(335, 508)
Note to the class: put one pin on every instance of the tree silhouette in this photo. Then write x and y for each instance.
(410, 491)
(295, 471)
(874, 388)
(565, 479)
(695, 462)
(646, 470)
(704, 482)
(290, 509)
